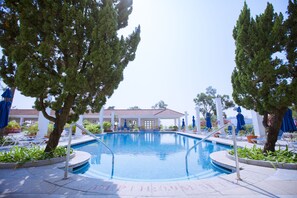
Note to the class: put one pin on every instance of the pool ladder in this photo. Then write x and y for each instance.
(92, 135)
(234, 146)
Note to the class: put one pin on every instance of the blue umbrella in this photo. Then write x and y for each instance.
(193, 122)
(5, 108)
(125, 124)
(208, 120)
(183, 123)
(288, 124)
(240, 120)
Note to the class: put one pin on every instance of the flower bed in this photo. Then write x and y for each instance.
(34, 163)
(18, 157)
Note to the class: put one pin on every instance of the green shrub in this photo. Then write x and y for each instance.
(26, 154)
(32, 129)
(13, 125)
(86, 122)
(254, 153)
(93, 128)
(106, 126)
(24, 126)
(173, 128)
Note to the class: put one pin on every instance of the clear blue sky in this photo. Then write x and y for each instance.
(185, 47)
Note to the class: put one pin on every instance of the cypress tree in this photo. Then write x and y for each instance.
(263, 80)
(66, 54)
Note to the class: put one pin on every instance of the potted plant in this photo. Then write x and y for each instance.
(93, 128)
(251, 136)
(32, 130)
(106, 126)
(13, 127)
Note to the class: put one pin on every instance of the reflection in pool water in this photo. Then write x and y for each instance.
(150, 156)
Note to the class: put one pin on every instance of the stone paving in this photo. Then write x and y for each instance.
(48, 181)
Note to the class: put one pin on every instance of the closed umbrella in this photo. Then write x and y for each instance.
(125, 124)
(288, 124)
(193, 122)
(240, 121)
(5, 108)
(183, 124)
(208, 120)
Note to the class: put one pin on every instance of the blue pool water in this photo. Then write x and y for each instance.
(150, 156)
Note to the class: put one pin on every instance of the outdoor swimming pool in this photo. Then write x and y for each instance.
(147, 156)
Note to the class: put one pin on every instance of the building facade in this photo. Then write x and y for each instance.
(144, 119)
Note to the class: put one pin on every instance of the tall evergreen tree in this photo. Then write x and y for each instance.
(66, 54)
(263, 80)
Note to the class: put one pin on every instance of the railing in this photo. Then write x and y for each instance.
(213, 132)
(92, 135)
(235, 152)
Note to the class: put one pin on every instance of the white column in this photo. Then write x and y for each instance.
(198, 119)
(119, 124)
(158, 122)
(257, 123)
(139, 123)
(174, 122)
(78, 132)
(220, 118)
(21, 120)
(101, 114)
(186, 121)
(42, 124)
(112, 120)
(178, 124)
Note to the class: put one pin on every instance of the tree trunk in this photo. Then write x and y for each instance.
(60, 121)
(272, 129)
(55, 136)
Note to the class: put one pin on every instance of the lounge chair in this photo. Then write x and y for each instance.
(21, 140)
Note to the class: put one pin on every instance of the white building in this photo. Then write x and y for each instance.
(144, 119)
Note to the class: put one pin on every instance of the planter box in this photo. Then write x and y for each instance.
(12, 131)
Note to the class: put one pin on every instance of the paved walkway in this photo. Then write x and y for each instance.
(48, 181)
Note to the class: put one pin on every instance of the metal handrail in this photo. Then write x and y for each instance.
(96, 138)
(235, 152)
(203, 139)
(68, 154)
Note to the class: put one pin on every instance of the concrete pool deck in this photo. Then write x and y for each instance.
(48, 181)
